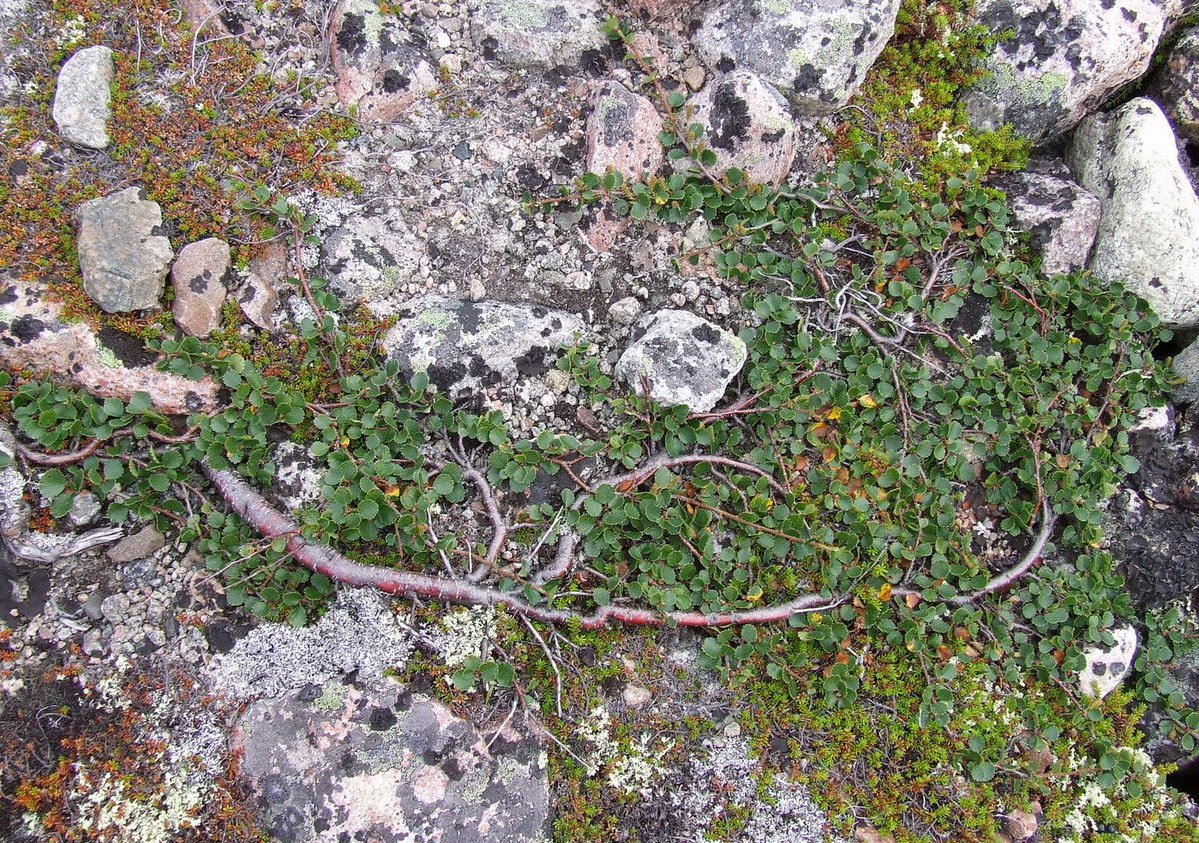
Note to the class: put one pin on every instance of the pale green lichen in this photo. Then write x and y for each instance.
(331, 698)
(779, 7)
(107, 357)
(524, 14)
(1040, 90)
(372, 19)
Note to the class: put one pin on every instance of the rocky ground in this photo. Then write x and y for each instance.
(347, 729)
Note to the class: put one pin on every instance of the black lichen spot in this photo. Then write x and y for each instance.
(706, 333)
(773, 137)
(445, 377)
(478, 367)
(730, 117)
(432, 756)
(453, 770)
(382, 719)
(490, 48)
(199, 284)
(532, 362)
(807, 77)
(1129, 14)
(617, 125)
(726, 64)
(593, 63)
(8, 295)
(528, 177)
(394, 81)
(130, 350)
(27, 328)
(351, 35)
(470, 317)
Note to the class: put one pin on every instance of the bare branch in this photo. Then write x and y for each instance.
(271, 523)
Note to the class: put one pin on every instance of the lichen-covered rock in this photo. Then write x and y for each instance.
(370, 259)
(1062, 218)
(297, 481)
(816, 52)
(1178, 85)
(622, 132)
(83, 97)
(374, 761)
(358, 634)
(465, 345)
(1106, 667)
(199, 280)
(123, 255)
(1149, 229)
(1064, 59)
(686, 360)
(34, 336)
(1186, 365)
(378, 66)
(259, 301)
(748, 126)
(538, 33)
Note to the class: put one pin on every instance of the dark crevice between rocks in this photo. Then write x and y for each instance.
(1186, 778)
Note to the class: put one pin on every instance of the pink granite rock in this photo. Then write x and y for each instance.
(378, 67)
(622, 132)
(199, 279)
(33, 336)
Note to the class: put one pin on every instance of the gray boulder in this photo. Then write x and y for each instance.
(1149, 229)
(371, 260)
(199, 280)
(538, 33)
(375, 761)
(1061, 217)
(1064, 59)
(686, 360)
(123, 255)
(1178, 85)
(465, 345)
(83, 97)
(378, 68)
(816, 52)
(1186, 365)
(748, 125)
(622, 132)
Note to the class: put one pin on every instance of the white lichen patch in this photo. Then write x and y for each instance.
(106, 807)
(464, 633)
(631, 766)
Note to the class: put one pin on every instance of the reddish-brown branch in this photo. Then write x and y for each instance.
(271, 523)
(1004, 581)
(91, 447)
